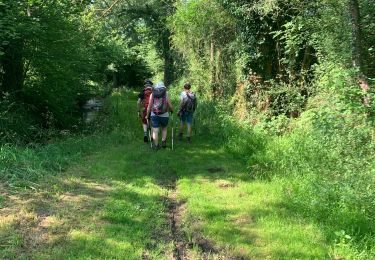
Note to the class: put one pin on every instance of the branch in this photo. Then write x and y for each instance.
(106, 12)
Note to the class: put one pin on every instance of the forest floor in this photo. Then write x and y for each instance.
(126, 201)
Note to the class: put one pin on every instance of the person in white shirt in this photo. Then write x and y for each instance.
(188, 104)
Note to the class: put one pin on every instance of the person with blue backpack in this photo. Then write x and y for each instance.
(159, 108)
(188, 104)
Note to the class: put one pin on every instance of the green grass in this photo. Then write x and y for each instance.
(113, 202)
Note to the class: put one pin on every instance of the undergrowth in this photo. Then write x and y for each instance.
(23, 164)
(325, 160)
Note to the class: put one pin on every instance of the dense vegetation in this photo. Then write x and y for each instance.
(287, 87)
(54, 56)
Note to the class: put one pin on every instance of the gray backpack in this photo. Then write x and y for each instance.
(190, 102)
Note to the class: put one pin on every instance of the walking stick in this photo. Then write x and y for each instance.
(195, 127)
(172, 132)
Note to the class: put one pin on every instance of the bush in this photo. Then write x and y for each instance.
(16, 124)
(23, 166)
(325, 160)
(328, 163)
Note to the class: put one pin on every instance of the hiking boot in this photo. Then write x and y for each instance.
(164, 144)
(188, 139)
(180, 137)
(156, 147)
(145, 139)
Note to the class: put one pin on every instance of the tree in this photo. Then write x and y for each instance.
(152, 14)
(357, 52)
(204, 32)
(51, 51)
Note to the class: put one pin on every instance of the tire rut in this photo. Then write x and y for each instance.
(182, 248)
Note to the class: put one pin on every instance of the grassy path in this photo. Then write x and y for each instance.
(128, 202)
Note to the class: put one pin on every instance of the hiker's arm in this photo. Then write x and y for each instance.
(150, 104)
(181, 104)
(139, 106)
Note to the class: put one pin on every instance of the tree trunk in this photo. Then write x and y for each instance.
(280, 68)
(168, 59)
(268, 58)
(212, 62)
(306, 62)
(357, 54)
(356, 34)
(217, 65)
(115, 79)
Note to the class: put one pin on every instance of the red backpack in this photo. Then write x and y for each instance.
(146, 94)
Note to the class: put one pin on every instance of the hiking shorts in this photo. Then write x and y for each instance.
(187, 117)
(158, 121)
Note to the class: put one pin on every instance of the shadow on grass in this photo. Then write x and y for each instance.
(83, 217)
(259, 233)
(111, 205)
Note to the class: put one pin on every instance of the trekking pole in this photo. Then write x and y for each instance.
(195, 127)
(172, 132)
(177, 121)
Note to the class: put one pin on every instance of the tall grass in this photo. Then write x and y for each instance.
(23, 165)
(325, 160)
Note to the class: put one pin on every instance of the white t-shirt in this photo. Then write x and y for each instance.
(183, 95)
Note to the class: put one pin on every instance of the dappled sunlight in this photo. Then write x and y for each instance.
(85, 185)
(98, 245)
(249, 218)
(6, 221)
(269, 109)
(114, 204)
(128, 201)
(85, 213)
(70, 198)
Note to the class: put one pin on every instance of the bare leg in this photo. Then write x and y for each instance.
(155, 135)
(145, 128)
(189, 130)
(164, 133)
(181, 127)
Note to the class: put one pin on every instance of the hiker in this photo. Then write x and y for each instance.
(158, 110)
(188, 104)
(142, 104)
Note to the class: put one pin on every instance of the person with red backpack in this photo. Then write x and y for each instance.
(158, 110)
(188, 104)
(142, 103)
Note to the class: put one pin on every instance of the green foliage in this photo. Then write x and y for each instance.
(324, 161)
(23, 166)
(303, 123)
(203, 32)
(332, 168)
(16, 125)
(53, 57)
(341, 85)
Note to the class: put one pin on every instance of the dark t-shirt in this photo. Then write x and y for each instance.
(141, 95)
